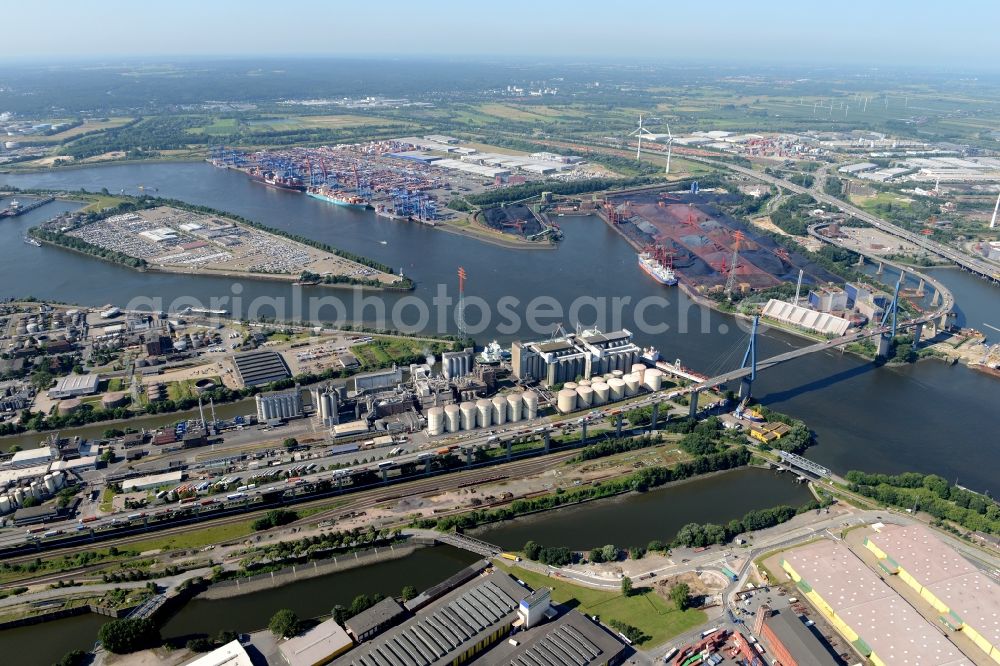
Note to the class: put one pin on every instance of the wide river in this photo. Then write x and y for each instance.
(928, 417)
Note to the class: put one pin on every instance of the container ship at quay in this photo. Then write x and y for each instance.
(272, 179)
(338, 198)
(652, 262)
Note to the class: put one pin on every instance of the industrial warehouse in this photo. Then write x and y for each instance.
(574, 355)
(867, 612)
(968, 600)
(481, 615)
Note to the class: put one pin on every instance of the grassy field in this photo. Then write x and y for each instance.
(185, 388)
(196, 538)
(226, 126)
(650, 613)
(390, 350)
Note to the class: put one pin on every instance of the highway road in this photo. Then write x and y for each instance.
(981, 267)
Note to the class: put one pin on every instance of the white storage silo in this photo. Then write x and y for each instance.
(468, 415)
(59, 478)
(530, 405)
(639, 369)
(499, 410)
(653, 379)
(452, 418)
(585, 382)
(631, 384)
(50, 483)
(484, 412)
(4, 504)
(601, 392)
(515, 402)
(617, 374)
(617, 389)
(37, 489)
(19, 496)
(435, 421)
(570, 385)
(566, 401)
(584, 397)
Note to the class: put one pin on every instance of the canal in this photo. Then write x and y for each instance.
(927, 417)
(636, 519)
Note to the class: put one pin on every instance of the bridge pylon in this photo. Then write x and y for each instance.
(750, 357)
(891, 314)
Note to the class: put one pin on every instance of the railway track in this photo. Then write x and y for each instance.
(361, 500)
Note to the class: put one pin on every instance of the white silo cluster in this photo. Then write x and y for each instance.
(482, 413)
(49, 485)
(566, 400)
(283, 406)
(325, 405)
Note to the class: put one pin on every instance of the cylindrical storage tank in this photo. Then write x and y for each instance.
(639, 369)
(468, 415)
(435, 421)
(601, 392)
(484, 412)
(530, 405)
(452, 418)
(631, 384)
(585, 382)
(566, 401)
(499, 410)
(59, 478)
(19, 496)
(653, 379)
(4, 504)
(617, 389)
(36, 489)
(584, 397)
(50, 483)
(570, 385)
(617, 374)
(514, 407)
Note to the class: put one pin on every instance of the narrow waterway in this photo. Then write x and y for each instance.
(929, 417)
(638, 518)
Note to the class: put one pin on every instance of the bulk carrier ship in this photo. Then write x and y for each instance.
(652, 262)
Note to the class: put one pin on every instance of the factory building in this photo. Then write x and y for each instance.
(321, 644)
(457, 363)
(564, 359)
(456, 628)
(380, 379)
(821, 322)
(791, 641)
(828, 299)
(864, 610)
(285, 405)
(260, 367)
(72, 386)
(31, 457)
(967, 600)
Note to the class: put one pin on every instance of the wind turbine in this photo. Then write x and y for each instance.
(639, 132)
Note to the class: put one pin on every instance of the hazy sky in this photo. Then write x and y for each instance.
(874, 32)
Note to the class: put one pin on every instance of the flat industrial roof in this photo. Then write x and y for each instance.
(29, 456)
(446, 628)
(316, 646)
(230, 654)
(967, 592)
(890, 627)
(384, 611)
(77, 383)
(152, 481)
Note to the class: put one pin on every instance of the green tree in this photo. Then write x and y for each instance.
(284, 623)
(680, 594)
(626, 587)
(532, 550)
(129, 635)
(339, 614)
(610, 552)
(290, 443)
(408, 593)
(73, 658)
